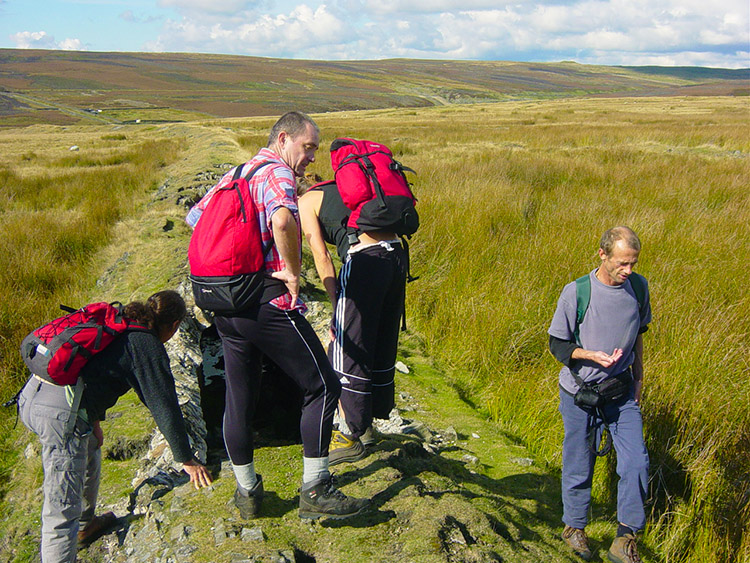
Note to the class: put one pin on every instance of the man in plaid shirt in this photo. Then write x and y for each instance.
(277, 329)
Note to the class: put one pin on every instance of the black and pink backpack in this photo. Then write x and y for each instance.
(373, 185)
(58, 350)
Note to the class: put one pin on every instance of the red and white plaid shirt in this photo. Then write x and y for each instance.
(272, 187)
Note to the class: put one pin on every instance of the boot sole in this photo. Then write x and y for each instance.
(349, 458)
(309, 515)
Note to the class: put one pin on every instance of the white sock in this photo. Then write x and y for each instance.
(315, 468)
(341, 421)
(245, 474)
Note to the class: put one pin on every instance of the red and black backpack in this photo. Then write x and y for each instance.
(58, 350)
(373, 185)
(226, 252)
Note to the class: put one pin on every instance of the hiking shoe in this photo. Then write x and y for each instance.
(343, 448)
(370, 437)
(624, 550)
(577, 541)
(96, 528)
(322, 498)
(249, 502)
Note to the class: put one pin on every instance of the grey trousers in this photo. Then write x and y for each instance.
(626, 427)
(72, 468)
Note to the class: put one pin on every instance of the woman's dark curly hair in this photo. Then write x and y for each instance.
(160, 310)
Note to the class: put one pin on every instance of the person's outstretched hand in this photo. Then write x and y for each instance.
(199, 475)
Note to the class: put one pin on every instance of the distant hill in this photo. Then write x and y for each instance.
(65, 87)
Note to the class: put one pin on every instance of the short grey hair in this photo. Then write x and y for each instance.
(292, 123)
(611, 236)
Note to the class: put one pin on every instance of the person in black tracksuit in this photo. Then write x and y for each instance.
(368, 303)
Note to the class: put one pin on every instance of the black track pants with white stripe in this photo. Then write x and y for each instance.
(289, 340)
(366, 323)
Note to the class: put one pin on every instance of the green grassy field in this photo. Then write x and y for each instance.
(513, 198)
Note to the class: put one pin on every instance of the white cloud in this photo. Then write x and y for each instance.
(281, 35)
(33, 40)
(605, 31)
(207, 6)
(71, 45)
(426, 6)
(131, 17)
(42, 40)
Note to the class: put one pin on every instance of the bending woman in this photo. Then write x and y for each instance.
(72, 464)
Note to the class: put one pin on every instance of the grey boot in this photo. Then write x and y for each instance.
(321, 498)
(249, 501)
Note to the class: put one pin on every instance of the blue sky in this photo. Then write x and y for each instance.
(613, 32)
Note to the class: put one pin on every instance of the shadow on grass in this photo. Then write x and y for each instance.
(523, 510)
(500, 498)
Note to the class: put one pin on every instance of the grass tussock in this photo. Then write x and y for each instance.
(54, 217)
(513, 200)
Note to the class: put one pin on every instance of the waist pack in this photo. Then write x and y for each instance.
(58, 350)
(373, 185)
(226, 252)
(599, 394)
(595, 396)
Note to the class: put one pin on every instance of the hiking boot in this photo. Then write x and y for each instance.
(343, 448)
(249, 502)
(96, 528)
(577, 541)
(370, 437)
(624, 550)
(322, 498)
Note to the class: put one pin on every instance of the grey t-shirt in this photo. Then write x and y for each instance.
(612, 321)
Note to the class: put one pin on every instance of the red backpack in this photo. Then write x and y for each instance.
(226, 252)
(58, 350)
(373, 185)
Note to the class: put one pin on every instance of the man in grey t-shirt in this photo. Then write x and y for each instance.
(607, 343)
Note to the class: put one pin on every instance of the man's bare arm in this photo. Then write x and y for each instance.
(286, 239)
(309, 209)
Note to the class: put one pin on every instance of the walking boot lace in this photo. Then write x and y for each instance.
(631, 551)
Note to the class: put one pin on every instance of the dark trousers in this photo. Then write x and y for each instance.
(289, 340)
(366, 323)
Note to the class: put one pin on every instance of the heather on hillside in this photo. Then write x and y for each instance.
(69, 87)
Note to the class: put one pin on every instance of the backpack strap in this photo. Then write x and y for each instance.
(409, 279)
(73, 415)
(638, 283)
(583, 298)
(237, 175)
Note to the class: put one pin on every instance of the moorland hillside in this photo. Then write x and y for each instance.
(66, 87)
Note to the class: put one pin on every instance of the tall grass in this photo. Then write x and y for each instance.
(513, 199)
(53, 219)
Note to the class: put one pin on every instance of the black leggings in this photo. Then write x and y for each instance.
(289, 340)
(366, 322)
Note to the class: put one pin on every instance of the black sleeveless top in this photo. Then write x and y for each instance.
(333, 216)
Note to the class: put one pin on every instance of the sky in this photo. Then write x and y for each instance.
(707, 33)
